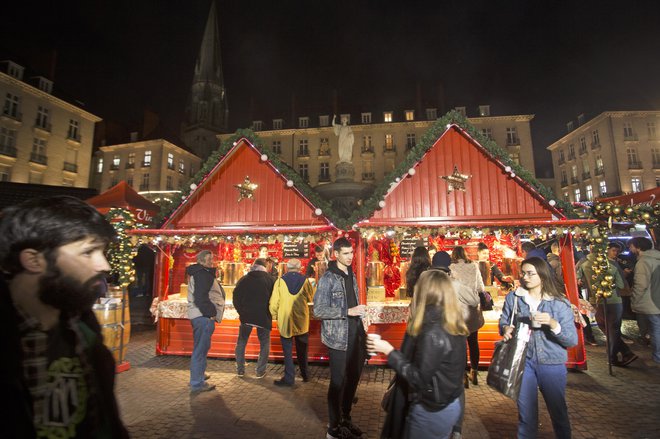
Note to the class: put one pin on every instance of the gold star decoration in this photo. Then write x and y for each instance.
(455, 181)
(246, 189)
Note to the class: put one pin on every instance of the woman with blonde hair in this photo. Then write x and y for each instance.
(464, 270)
(431, 361)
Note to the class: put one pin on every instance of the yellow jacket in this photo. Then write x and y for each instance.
(291, 310)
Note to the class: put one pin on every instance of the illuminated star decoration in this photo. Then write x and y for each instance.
(455, 181)
(246, 189)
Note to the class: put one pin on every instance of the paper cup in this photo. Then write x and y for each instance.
(373, 337)
(535, 324)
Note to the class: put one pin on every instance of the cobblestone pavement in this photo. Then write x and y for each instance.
(155, 401)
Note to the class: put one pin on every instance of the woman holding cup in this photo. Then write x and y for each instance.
(431, 370)
(545, 314)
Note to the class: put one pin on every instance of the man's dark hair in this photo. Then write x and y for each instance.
(341, 243)
(44, 224)
(527, 246)
(260, 261)
(318, 249)
(481, 246)
(643, 244)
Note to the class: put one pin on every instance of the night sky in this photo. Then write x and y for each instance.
(554, 59)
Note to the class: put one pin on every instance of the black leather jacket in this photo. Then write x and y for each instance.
(435, 367)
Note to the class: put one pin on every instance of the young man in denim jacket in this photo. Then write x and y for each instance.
(336, 304)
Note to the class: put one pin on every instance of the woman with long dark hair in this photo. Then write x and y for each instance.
(419, 261)
(542, 309)
(467, 272)
(432, 366)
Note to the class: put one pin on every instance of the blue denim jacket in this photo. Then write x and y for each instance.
(545, 347)
(330, 306)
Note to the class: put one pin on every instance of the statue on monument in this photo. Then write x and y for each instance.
(345, 134)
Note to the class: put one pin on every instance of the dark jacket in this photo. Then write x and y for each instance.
(204, 278)
(251, 298)
(434, 374)
(16, 417)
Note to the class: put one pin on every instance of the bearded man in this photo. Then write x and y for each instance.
(56, 374)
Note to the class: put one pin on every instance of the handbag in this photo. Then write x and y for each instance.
(386, 402)
(505, 372)
(486, 301)
(475, 319)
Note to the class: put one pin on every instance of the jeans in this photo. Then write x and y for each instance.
(424, 424)
(263, 334)
(301, 354)
(203, 328)
(551, 380)
(345, 371)
(653, 321)
(612, 329)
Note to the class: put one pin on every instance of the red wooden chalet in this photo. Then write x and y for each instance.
(493, 197)
(231, 217)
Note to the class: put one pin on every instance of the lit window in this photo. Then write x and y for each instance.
(170, 160)
(182, 166)
(577, 194)
(636, 184)
(410, 115)
(116, 159)
(602, 187)
(147, 159)
(589, 192)
(99, 166)
(387, 116)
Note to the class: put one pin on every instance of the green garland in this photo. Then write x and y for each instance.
(370, 205)
(121, 250)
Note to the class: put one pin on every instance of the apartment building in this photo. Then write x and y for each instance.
(154, 168)
(382, 140)
(616, 152)
(43, 139)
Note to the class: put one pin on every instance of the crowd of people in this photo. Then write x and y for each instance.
(61, 376)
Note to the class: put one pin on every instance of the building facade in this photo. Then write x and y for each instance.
(154, 168)
(381, 141)
(616, 152)
(43, 139)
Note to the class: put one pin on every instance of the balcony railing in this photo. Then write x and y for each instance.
(561, 161)
(571, 156)
(595, 145)
(512, 141)
(564, 183)
(70, 167)
(634, 165)
(656, 165)
(586, 175)
(324, 178)
(303, 153)
(599, 171)
(130, 165)
(38, 158)
(367, 150)
(45, 126)
(114, 167)
(574, 180)
(170, 166)
(630, 138)
(582, 151)
(144, 186)
(146, 164)
(8, 150)
(73, 136)
(389, 148)
(182, 171)
(16, 115)
(324, 152)
(369, 176)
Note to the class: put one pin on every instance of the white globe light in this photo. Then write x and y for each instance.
(411, 171)
(552, 202)
(193, 186)
(318, 212)
(513, 174)
(264, 157)
(398, 179)
(235, 143)
(381, 203)
(289, 183)
(508, 169)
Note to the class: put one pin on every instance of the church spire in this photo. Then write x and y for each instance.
(207, 110)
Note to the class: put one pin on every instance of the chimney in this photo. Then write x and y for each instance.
(569, 126)
(580, 119)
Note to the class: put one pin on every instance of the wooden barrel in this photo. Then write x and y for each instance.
(109, 317)
(118, 293)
